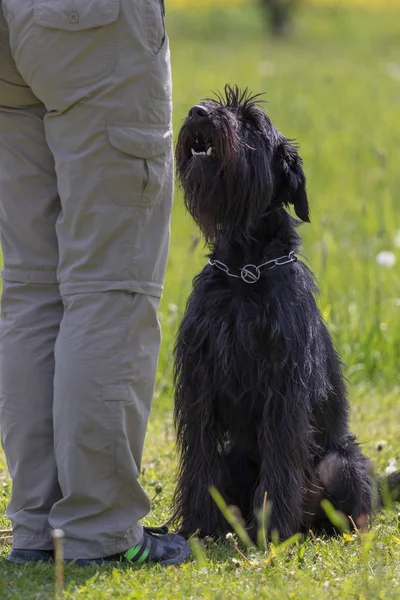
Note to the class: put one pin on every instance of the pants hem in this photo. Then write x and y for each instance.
(76, 550)
(32, 542)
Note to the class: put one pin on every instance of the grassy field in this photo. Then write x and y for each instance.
(335, 87)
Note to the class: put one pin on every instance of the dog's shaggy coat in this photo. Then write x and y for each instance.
(260, 400)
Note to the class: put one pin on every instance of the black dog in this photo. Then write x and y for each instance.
(260, 398)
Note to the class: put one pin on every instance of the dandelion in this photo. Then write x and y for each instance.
(380, 445)
(236, 562)
(385, 258)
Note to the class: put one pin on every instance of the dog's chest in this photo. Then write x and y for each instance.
(229, 333)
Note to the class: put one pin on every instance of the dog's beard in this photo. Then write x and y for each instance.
(201, 182)
(228, 191)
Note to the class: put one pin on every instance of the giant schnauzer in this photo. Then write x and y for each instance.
(260, 397)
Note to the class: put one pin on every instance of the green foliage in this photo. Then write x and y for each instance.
(335, 87)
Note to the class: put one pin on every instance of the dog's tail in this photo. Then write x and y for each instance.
(388, 490)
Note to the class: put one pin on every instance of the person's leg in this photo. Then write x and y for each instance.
(31, 307)
(102, 70)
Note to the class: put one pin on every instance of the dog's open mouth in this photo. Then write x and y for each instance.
(207, 152)
(200, 146)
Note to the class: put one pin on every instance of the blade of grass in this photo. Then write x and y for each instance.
(230, 517)
(337, 518)
(265, 516)
(198, 552)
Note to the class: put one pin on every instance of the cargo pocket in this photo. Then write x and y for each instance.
(134, 174)
(76, 38)
(154, 23)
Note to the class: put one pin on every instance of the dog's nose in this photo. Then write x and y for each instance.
(197, 113)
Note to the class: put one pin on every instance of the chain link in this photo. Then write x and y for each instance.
(251, 273)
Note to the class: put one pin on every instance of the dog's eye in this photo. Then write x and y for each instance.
(251, 125)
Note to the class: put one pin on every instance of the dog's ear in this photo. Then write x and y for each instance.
(293, 183)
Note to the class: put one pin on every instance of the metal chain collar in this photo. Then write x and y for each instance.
(251, 273)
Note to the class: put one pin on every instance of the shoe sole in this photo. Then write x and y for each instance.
(25, 561)
(183, 557)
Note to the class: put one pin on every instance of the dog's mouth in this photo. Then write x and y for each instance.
(200, 145)
(207, 152)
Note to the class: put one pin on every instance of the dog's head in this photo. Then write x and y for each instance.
(235, 167)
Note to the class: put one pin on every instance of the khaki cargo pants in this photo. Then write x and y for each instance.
(85, 202)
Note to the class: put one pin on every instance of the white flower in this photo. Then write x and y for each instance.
(380, 445)
(385, 258)
(393, 70)
(392, 467)
(397, 239)
(267, 68)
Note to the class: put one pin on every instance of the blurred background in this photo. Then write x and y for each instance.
(331, 73)
(330, 70)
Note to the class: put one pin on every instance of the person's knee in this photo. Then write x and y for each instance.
(113, 327)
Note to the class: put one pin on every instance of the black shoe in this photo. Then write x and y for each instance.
(21, 555)
(156, 546)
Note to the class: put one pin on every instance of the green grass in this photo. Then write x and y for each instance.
(333, 87)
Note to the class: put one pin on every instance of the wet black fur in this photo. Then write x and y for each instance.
(260, 401)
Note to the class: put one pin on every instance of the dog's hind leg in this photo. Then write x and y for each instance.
(345, 477)
(342, 469)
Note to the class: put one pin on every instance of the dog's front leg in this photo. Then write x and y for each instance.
(285, 497)
(284, 460)
(200, 465)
